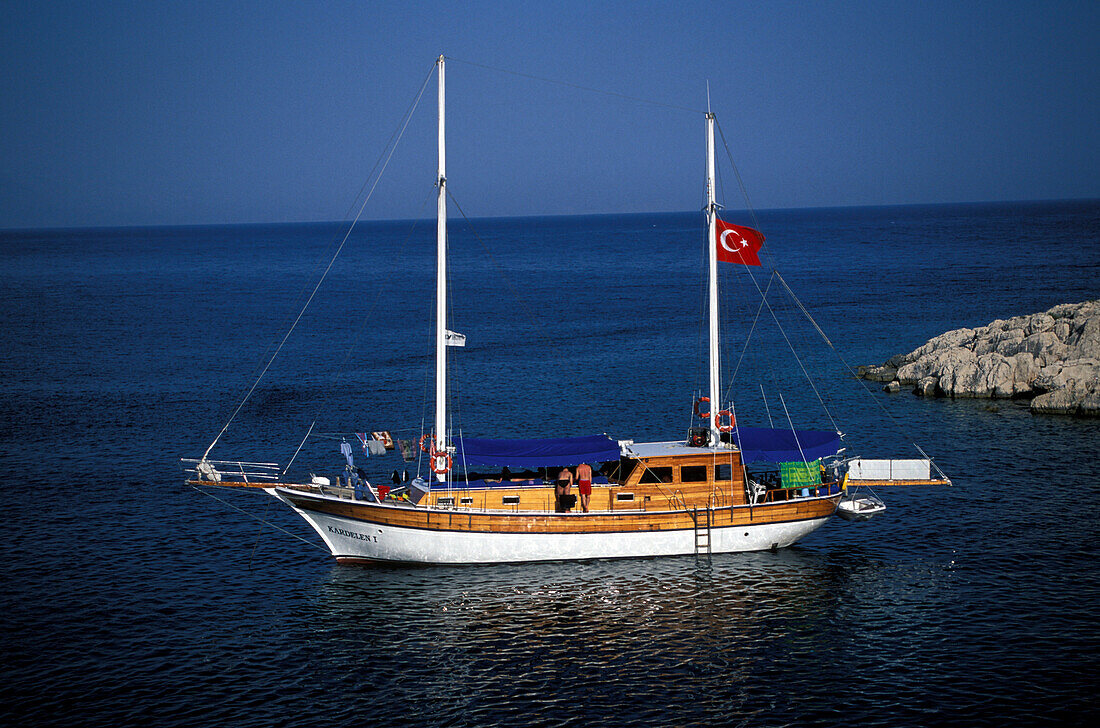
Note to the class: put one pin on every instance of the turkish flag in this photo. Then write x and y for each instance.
(737, 244)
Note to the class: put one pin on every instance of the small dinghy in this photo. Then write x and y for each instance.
(860, 508)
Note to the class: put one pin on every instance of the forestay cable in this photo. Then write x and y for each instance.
(387, 157)
(266, 523)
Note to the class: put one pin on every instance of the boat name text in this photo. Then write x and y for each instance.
(352, 534)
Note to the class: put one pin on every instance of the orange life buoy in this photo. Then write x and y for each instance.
(426, 436)
(701, 415)
(728, 426)
(441, 462)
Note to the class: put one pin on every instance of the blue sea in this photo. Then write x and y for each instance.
(129, 598)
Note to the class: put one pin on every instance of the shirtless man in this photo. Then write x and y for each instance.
(561, 489)
(584, 484)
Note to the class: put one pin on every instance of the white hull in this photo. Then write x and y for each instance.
(353, 540)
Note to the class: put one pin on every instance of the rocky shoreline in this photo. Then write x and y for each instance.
(1051, 357)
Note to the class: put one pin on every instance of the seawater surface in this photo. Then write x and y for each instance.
(129, 598)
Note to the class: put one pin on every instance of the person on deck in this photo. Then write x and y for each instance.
(584, 484)
(561, 489)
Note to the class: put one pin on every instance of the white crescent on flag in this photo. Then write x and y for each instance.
(743, 243)
(742, 248)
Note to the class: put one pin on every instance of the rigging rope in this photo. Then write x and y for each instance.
(614, 94)
(740, 182)
(802, 308)
(300, 445)
(354, 344)
(793, 431)
(767, 409)
(335, 255)
(266, 523)
(790, 346)
(752, 328)
(863, 384)
(763, 296)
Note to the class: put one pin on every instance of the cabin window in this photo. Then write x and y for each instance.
(723, 471)
(657, 475)
(623, 471)
(693, 473)
(444, 501)
(624, 496)
(465, 501)
(511, 500)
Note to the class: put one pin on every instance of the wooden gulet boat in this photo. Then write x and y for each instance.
(679, 497)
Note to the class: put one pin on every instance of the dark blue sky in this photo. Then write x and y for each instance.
(148, 113)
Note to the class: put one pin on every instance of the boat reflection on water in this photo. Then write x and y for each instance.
(598, 602)
(578, 638)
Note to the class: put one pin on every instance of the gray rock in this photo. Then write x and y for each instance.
(1025, 370)
(1065, 310)
(1053, 356)
(1039, 322)
(1088, 340)
(1076, 398)
(878, 374)
(927, 386)
(957, 371)
(898, 359)
(893, 387)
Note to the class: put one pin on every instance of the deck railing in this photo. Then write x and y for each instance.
(215, 471)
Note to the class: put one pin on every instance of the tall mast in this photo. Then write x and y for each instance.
(712, 277)
(441, 285)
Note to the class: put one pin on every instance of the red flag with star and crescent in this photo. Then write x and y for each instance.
(737, 244)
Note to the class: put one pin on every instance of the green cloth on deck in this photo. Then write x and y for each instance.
(800, 475)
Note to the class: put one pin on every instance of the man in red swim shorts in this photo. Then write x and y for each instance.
(584, 484)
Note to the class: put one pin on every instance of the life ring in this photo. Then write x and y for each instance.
(701, 415)
(438, 466)
(728, 427)
(427, 436)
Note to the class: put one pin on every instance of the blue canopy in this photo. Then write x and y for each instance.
(559, 451)
(762, 444)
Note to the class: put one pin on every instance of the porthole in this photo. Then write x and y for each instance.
(465, 501)
(624, 496)
(511, 500)
(445, 501)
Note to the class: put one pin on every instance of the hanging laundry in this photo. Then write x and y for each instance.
(407, 449)
(376, 447)
(345, 448)
(363, 439)
(385, 438)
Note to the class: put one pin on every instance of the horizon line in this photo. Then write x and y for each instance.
(254, 223)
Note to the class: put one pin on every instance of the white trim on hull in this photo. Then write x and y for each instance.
(353, 540)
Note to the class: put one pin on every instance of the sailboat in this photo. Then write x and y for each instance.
(512, 500)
